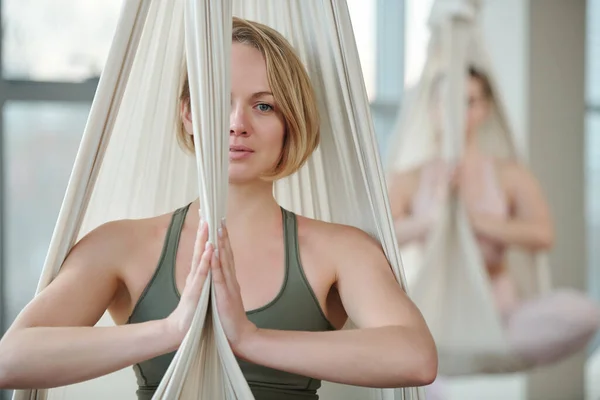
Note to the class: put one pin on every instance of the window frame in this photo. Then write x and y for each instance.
(592, 109)
(593, 271)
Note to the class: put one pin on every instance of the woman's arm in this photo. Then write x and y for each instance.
(408, 227)
(392, 347)
(531, 223)
(382, 357)
(54, 342)
(411, 228)
(45, 357)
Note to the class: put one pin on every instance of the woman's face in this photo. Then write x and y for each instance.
(478, 106)
(256, 127)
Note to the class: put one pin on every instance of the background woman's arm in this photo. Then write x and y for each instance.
(531, 223)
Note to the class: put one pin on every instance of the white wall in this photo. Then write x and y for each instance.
(557, 137)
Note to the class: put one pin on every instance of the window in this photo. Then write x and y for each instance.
(40, 144)
(57, 40)
(417, 37)
(51, 51)
(362, 15)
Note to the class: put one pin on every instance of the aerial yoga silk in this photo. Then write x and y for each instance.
(446, 273)
(129, 164)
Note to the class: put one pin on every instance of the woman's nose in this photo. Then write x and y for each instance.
(237, 121)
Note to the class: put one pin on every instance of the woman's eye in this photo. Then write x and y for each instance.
(264, 107)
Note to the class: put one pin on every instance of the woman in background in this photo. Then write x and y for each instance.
(506, 208)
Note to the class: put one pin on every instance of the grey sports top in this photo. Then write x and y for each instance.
(294, 308)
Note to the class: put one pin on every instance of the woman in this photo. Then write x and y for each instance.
(506, 208)
(294, 282)
(504, 201)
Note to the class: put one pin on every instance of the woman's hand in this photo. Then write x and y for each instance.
(470, 185)
(181, 318)
(482, 223)
(236, 324)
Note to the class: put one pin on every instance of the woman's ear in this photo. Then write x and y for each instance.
(186, 117)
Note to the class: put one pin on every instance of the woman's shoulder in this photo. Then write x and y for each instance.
(344, 250)
(338, 238)
(116, 241)
(409, 174)
(512, 170)
(405, 182)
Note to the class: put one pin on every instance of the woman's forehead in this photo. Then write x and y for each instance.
(248, 69)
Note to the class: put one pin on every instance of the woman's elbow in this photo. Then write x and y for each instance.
(420, 373)
(421, 368)
(3, 377)
(426, 370)
(6, 381)
(9, 364)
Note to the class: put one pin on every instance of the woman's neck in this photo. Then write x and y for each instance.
(252, 205)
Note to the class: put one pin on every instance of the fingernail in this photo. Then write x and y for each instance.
(207, 246)
(217, 253)
(220, 232)
(223, 222)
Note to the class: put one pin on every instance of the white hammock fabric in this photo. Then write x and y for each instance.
(446, 275)
(129, 164)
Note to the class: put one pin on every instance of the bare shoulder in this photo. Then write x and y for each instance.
(406, 179)
(509, 165)
(112, 244)
(368, 290)
(514, 173)
(402, 185)
(338, 242)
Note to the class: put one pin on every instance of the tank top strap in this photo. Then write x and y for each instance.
(158, 300)
(290, 237)
(173, 235)
(298, 290)
(162, 287)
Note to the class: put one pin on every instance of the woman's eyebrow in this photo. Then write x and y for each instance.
(260, 94)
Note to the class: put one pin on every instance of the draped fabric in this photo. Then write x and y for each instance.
(129, 164)
(447, 275)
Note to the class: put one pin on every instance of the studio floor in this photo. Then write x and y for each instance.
(513, 387)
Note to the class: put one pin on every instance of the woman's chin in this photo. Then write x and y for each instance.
(240, 176)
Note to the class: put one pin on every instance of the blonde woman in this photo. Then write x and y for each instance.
(285, 284)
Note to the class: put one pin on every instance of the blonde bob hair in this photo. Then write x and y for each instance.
(292, 90)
